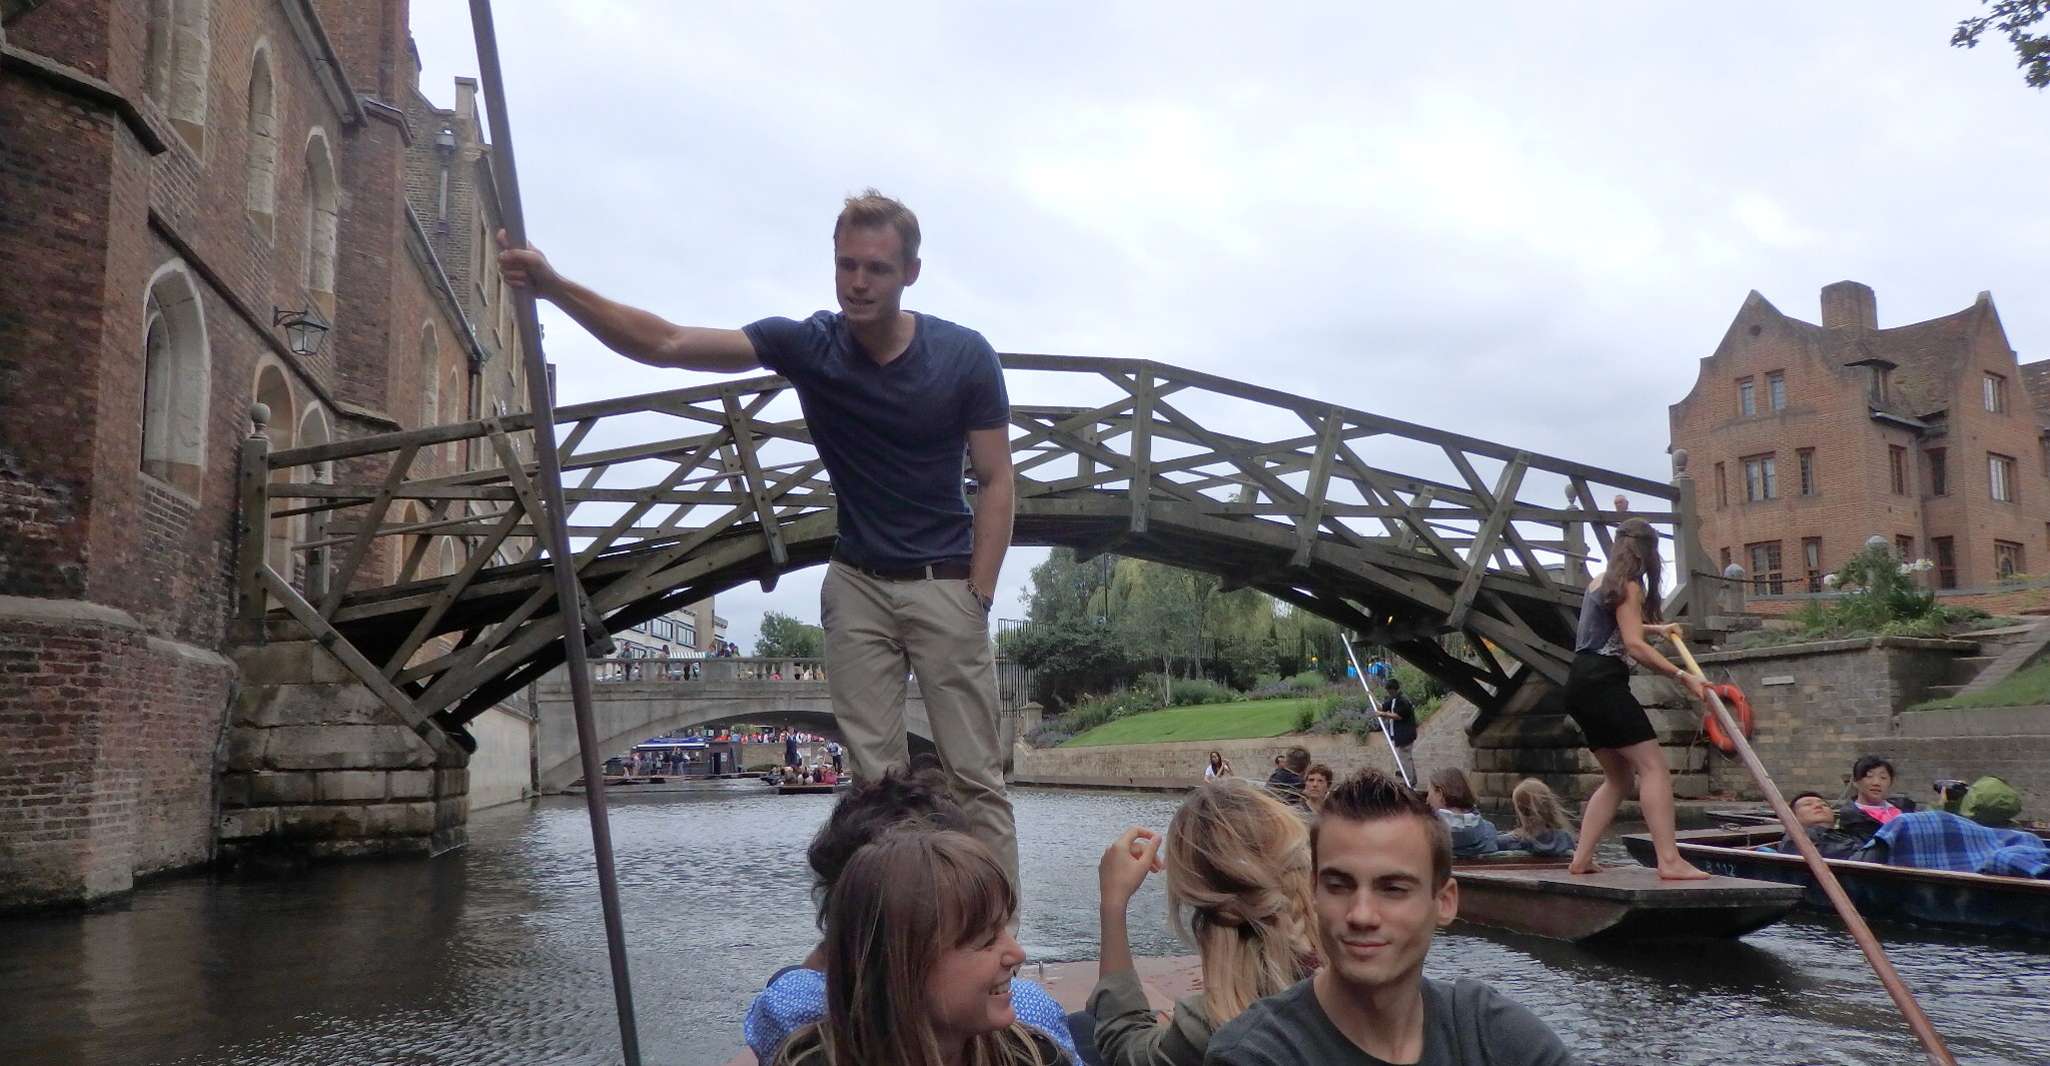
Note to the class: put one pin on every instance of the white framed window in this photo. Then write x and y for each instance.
(2000, 477)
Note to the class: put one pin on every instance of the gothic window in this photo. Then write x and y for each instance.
(179, 39)
(175, 380)
(323, 210)
(262, 194)
(430, 377)
(273, 391)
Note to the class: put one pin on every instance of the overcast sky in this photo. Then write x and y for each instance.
(1528, 229)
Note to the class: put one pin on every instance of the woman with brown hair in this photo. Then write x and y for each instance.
(919, 959)
(902, 799)
(1617, 614)
(1238, 886)
(1452, 797)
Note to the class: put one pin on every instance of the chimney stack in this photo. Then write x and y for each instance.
(466, 112)
(1849, 305)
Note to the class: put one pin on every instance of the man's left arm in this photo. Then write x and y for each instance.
(996, 497)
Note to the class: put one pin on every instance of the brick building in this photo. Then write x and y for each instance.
(1805, 440)
(172, 173)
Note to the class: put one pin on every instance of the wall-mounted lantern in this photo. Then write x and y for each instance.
(305, 331)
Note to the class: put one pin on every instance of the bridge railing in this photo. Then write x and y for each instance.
(679, 670)
(1013, 680)
(1398, 530)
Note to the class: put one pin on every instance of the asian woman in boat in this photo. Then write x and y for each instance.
(1617, 616)
(1452, 797)
(1869, 808)
(1237, 862)
(1541, 825)
(919, 958)
(915, 798)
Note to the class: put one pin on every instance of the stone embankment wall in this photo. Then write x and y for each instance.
(1441, 742)
(1819, 706)
(502, 767)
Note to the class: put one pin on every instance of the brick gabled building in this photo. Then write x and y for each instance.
(1805, 440)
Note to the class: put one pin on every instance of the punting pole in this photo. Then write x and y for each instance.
(555, 527)
(1375, 706)
(1932, 1044)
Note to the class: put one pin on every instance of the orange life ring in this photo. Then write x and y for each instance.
(1733, 699)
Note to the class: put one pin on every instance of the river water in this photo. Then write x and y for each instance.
(495, 954)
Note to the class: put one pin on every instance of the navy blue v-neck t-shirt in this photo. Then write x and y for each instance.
(894, 438)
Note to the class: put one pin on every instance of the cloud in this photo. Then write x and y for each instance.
(1526, 225)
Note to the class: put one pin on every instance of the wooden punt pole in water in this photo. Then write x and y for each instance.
(568, 593)
(1374, 708)
(1932, 1044)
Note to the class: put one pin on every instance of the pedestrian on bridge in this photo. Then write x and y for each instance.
(893, 400)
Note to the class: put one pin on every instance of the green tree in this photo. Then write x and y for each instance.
(2013, 18)
(785, 637)
(1071, 658)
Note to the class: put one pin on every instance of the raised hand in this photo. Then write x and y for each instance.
(525, 268)
(1125, 864)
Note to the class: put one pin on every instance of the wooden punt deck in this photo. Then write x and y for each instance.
(1618, 903)
(806, 790)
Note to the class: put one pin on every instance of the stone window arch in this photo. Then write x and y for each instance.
(261, 196)
(313, 430)
(180, 42)
(273, 390)
(430, 376)
(454, 401)
(176, 369)
(323, 216)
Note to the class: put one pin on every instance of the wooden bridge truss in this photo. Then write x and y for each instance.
(428, 582)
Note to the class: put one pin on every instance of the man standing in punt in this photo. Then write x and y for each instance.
(893, 400)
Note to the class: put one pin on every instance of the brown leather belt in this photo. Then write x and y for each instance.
(946, 570)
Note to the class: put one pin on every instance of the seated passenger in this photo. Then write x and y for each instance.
(919, 960)
(1286, 782)
(1472, 834)
(1383, 889)
(1819, 820)
(1541, 824)
(1238, 888)
(1938, 840)
(1991, 802)
(1316, 786)
(1869, 806)
(901, 798)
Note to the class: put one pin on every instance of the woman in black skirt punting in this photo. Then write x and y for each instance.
(1616, 616)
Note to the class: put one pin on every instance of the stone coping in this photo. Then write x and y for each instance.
(1828, 647)
(1949, 723)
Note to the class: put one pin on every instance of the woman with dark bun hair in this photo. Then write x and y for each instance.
(1617, 614)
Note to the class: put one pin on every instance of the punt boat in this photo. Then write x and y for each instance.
(808, 789)
(1540, 898)
(2017, 907)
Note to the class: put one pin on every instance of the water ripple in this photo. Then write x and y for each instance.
(496, 955)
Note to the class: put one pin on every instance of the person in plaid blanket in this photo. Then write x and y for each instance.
(1939, 840)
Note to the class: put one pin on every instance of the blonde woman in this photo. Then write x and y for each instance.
(1541, 824)
(919, 960)
(1238, 885)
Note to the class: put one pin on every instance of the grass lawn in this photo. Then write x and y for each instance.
(2026, 687)
(1207, 721)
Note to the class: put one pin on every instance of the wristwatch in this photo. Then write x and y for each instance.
(988, 602)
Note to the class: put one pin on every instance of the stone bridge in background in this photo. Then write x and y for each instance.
(636, 699)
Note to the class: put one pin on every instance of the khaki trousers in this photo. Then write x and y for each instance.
(876, 633)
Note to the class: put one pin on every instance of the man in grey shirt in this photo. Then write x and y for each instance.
(1383, 866)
